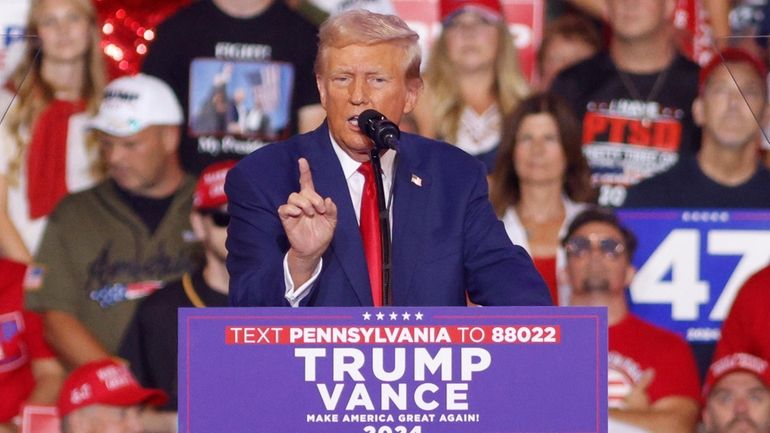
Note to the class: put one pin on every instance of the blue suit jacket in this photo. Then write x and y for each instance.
(446, 237)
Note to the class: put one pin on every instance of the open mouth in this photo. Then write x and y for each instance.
(353, 121)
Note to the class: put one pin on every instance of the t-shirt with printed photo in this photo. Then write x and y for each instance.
(240, 81)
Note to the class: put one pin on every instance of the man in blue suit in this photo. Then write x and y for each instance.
(294, 238)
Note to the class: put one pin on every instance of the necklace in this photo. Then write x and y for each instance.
(190, 291)
(634, 91)
(479, 133)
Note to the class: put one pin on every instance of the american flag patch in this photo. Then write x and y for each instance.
(112, 294)
(33, 278)
(142, 289)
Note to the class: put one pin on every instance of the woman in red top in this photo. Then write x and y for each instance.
(43, 151)
(541, 181)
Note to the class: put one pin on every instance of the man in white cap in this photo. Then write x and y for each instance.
(103, 397)
(737, 395)
(109, 246)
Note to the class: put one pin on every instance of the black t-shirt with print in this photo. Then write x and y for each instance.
(240, 81)
(634, 125)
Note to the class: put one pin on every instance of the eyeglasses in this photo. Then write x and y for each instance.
(220, 219)
(581, 246)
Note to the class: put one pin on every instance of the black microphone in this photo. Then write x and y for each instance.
(382, 131)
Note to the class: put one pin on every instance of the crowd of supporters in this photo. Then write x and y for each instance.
(113, 212)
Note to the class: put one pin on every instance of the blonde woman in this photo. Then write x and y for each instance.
(43, 151)
(472, 78)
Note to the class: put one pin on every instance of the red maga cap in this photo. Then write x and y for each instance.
(491, 9)
(736, 362)
(210, 190)
(106, 382)
(731, 55)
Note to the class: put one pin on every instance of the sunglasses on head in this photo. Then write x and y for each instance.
(581, 246)
(220, 218)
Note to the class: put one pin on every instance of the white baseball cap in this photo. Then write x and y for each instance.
(133, 103)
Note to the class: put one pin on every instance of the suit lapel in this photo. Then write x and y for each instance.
(411, 195)
(347, 246)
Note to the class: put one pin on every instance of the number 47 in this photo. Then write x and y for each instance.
(685, 291)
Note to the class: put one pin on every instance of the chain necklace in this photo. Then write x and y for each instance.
(634, 91)
(190, 291)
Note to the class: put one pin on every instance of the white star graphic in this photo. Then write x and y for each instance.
(418, 316)
(380, 315)
(393, 315)
(367, 316)
(405, 316)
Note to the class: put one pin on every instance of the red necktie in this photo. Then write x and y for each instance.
(370, 232)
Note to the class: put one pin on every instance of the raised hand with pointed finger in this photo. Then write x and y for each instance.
(309, 221)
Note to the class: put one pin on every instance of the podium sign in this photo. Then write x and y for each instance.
(393, 370)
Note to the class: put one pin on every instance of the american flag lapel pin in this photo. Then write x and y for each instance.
(417, 180)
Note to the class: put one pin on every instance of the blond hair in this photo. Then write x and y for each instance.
(510, 85)
(359, 26)
(34, 93)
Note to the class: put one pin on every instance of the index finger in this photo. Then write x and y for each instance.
(305, 176)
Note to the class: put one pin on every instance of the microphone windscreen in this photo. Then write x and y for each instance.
(367, 120)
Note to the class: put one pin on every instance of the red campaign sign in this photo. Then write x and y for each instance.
(525, 19)
(691, 21)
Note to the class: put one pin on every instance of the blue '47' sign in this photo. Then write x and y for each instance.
(691, 264)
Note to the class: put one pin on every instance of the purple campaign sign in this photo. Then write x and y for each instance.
(393, 370)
